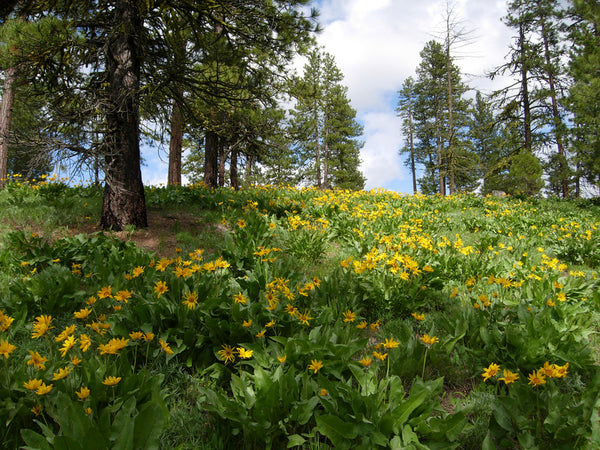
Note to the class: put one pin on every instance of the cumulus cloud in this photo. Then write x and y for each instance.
(376, 44)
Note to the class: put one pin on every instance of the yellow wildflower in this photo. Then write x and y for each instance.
(380, 356)
(240, 298)
(165, 347)
(349, 316)
(69, 330)
(111, 381)
(123, 296)
(190, 299)
(429, 340)
(148, 336)
(62, 373)
(82, 313)
(84, 342)
(43, 389)
(83, 393)
(226, 354)
(5, 321)
(37, 361)
(136, 335)
(32, 385)
(305, 317)
(75, 360)
(362, 325)
(113, 347)
(323, 392)
(418, 316)
(6, 348)
(282, 359)
(391, 343)
(41, 326)
(160, 288)
(67, 345)
(315, 365)
(261, 334)
(105, 292)
(537, 378)
(509, 377)
(244, 353)
(490, 371)
(247, 323)
(366, 361)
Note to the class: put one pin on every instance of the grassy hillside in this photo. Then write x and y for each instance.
(275, 317)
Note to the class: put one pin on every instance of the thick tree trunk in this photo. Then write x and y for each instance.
(124, 201)
(6, 108)
(175, 146)
(211, 158)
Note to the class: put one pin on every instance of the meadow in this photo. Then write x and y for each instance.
(297, 318)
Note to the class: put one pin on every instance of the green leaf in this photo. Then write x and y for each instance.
(122, 430)
(149, 423)
(338, 431)
(295, 440)
(403, 412)
(487, 443)
(34, 441)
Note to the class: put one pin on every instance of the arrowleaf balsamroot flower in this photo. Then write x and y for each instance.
(6, 348)
(244, 353)
(315, 365)
(349, 316)
(537, 378)
(82, 313)
(380, 356)
(84, 342)
(240, 298)
(62, 373)
(67, 345)
(391, 343)
(113, 346)
(83, 393)
(68, 331)
(5, 321)
(418, 316)
(366, 361)
(190, 299)
(105, 292)
(226, 354)
(160, 288)
(32, 385)
(429, 340)
(304, 318)
(165, 347)
(490, 371)
(111, 381)
(37, 361)
(43, 389)
(509, 377)
(41, 326)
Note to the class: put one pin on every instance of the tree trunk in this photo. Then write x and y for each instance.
(6, 108)
(450, 154)
(318, 152)
(325, 184)
(555, 113)
(525, 92)
(438, 140)
(124, 201)
(175, 146)
(211, 158)
(412, 150)
(233, 169)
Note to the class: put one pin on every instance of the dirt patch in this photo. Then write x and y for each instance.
(161, 235)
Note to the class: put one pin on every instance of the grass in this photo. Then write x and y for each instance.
(314, 238)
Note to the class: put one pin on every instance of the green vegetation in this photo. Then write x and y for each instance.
(299, 318)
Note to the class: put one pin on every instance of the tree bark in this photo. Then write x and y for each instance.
(6, 108)
(175, 146)
(124, 200)
(211, 158)
(525, 92)
(233, 169)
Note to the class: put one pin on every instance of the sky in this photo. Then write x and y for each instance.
(376, 44)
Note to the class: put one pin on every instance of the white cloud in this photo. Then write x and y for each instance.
(376, 44)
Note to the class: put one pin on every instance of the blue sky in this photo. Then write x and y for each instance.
(376, 44)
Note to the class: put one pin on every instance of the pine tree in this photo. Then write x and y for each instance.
(324, 126)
